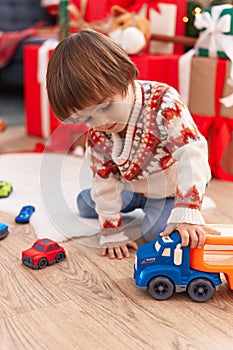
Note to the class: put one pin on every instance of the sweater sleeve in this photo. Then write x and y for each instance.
(106, 189)
(189, 148)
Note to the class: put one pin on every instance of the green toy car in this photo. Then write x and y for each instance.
(5, 189)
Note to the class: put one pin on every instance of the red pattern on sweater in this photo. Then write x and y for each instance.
(172, 113)
(185, 134)
(107, 168)
(110, 224)
(191, 199)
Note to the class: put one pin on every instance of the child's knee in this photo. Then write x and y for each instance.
(86, 205)
(156, 218)
(81, 204)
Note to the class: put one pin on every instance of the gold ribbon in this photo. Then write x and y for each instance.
(79, 22)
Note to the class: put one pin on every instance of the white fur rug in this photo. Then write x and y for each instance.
(51, 182)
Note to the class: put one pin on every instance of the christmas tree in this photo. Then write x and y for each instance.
(63, 19)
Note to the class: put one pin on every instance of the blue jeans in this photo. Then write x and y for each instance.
(157, 211)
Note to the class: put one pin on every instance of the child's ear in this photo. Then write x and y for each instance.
(116, 11)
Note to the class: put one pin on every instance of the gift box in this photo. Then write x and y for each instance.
(221, 149)
(166, 18)
(87, 14)
(203, 83)
(92, 10)
(162, 68)
(208, 84)
(40, 120)
(216, 36)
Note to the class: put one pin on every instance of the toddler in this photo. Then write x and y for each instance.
(144, 148)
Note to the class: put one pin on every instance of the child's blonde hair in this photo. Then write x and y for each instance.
(85, 68)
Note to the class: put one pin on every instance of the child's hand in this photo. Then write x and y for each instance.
(191, 234)
(119, 252)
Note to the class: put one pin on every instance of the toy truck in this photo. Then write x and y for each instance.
(164, 267)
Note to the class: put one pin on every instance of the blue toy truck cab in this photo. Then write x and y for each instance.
(3, 230)
(163, 267)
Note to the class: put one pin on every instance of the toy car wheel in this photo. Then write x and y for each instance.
(42, 263)
(161, 288)
(59, 257)
(200, 289)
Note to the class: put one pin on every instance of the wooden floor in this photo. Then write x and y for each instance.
(89, 302)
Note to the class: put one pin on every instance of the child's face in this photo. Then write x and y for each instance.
(110, 115)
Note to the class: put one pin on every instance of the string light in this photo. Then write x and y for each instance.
(197, 11)
(185, 19)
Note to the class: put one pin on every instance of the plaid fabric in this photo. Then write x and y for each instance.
(9, 41)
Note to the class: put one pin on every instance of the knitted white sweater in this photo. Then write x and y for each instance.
(163, 155)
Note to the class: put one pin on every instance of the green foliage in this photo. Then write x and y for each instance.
(63, 19)
(190, 29)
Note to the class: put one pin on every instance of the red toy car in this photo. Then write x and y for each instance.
(43, 252)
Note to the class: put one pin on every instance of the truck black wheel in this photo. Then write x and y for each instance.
(59, 257)
(200, 290)
(42, 263)
(161, 288)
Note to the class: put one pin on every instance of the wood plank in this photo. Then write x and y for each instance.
(15, 139)
(98, 297)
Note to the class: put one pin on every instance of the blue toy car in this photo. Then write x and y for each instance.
(25, 214)
(3, 230)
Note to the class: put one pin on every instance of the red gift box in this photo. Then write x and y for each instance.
(203, 94)
(163, 68)
(83, 14)
(40, 120)
(220, 145)
(94, 10)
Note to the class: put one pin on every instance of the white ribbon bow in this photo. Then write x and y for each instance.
(43, 58)
(214, 39)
